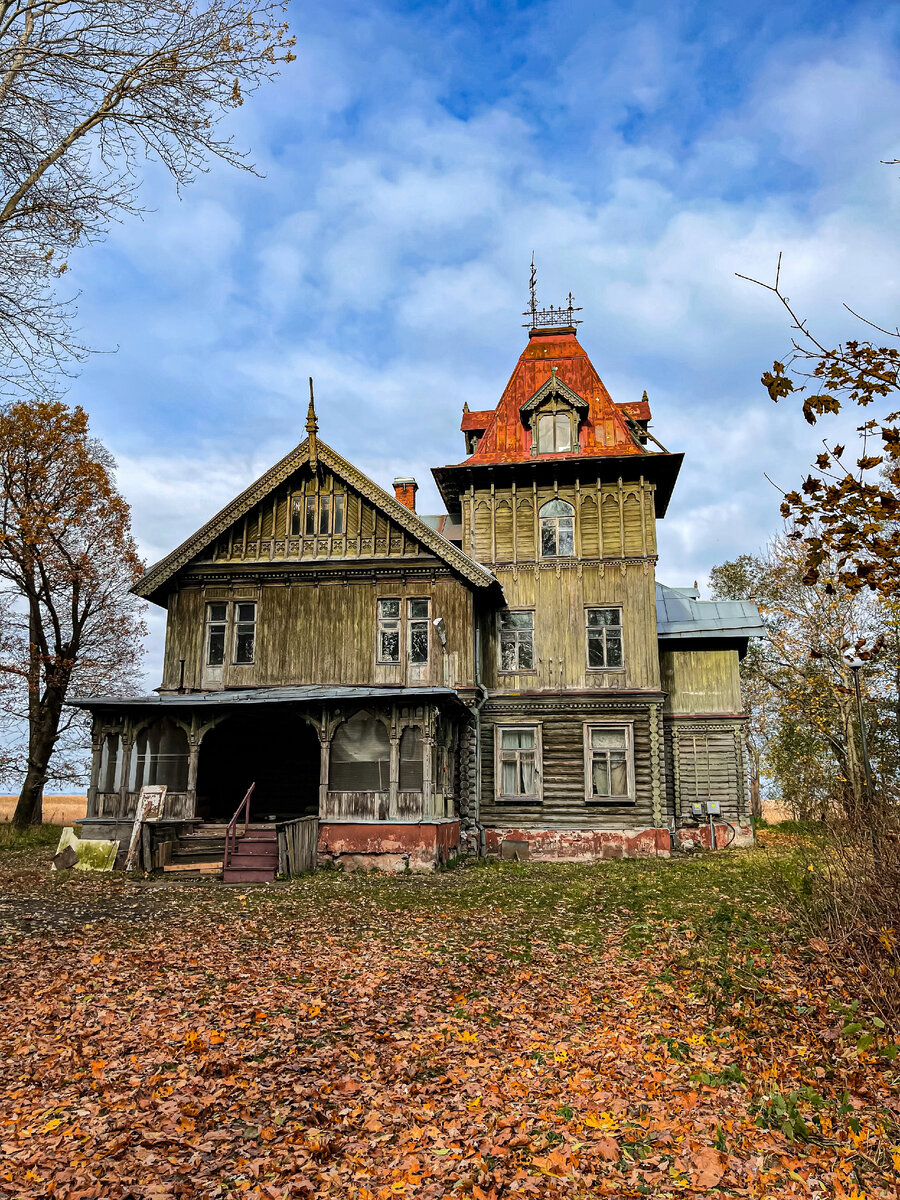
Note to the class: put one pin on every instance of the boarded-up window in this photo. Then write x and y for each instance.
(411, 747)
(360, 756)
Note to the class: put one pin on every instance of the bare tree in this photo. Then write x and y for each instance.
(88, 89)
(67, 564)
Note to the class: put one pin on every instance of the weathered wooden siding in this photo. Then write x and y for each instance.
(701, 681)
(559, 593)
(321, 633)
(612, 520)
(562, 722)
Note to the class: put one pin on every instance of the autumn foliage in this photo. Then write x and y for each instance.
(625, 1030)
(67, 562)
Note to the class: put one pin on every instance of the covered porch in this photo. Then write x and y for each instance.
(355, 757)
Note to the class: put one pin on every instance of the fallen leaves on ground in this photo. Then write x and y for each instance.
(516, 1030)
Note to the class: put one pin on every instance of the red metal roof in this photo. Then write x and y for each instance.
(476, 420)
(604, 430)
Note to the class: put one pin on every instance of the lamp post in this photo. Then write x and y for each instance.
(856, 664)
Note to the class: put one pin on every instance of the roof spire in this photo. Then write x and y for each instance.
(550, 318)
(532, 290)
(312, 427)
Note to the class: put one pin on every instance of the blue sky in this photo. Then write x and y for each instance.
(412, 159)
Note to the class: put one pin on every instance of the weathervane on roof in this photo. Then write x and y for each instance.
(551, 317)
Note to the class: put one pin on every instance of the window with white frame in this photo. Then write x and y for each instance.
(239, 617)
(403, 624)
(554, 432)
(604, 637)
(518, 762)
(609, 763)
(557, 519)
(517, 640)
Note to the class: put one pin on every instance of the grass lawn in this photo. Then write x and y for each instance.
(626, 1029)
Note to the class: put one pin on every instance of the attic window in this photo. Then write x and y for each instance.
(554, 432)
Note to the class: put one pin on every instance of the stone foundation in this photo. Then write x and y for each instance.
(578, 845)
(385, 846)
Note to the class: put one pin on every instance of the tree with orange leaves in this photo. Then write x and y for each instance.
(67, 563)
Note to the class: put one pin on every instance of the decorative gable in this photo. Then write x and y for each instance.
(312, 506)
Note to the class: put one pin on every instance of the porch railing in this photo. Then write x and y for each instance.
(231, 834)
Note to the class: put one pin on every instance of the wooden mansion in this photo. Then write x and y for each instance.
(507, 678)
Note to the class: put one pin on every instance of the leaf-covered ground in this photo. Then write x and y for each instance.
(624, 1029)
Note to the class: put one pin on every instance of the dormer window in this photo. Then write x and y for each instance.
(557, 529)
(554, 432)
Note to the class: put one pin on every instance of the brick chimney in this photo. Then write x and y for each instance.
(405, 491)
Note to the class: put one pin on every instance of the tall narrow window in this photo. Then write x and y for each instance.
(609, 762)
(516, 641)
(216, 631)
(411, 747)
(554, 433)
(324, 514)
(310, 515)
(604, 637)
(388, 631)
(244, 632)
(296, 516)
(338, 526)
(518, 765)
(557, 529)
(417, 612)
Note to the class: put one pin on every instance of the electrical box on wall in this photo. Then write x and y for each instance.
(713, 808)
(697, 812)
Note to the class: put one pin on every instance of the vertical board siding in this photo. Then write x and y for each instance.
(324, 633)
(701, 681)
(559, 597)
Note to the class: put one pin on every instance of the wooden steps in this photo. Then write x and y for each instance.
(255, 859)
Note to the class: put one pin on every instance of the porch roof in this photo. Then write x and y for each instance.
(229, 697)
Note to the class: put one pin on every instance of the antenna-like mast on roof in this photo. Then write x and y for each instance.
(553, 318)
(532, 288)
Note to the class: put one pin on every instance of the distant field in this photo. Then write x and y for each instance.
(58, 810)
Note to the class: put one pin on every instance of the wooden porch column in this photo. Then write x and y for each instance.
(96, 752)
(324, 762)
(128, 740)
(394, 788)
(428, 774)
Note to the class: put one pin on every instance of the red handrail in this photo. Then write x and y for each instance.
(231, 831)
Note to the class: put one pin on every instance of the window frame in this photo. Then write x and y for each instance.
(588, 608)
(379, 624)
(554, 521)
(410, 621)
(307, 512)
(630, 798)
(506, 727)
(517, 670)
(237, 624)
(207, 633)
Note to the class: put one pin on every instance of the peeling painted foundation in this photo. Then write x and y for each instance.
(690, 837)
(387, 846)
(578, 845)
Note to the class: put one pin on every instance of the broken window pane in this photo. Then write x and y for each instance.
(389, 649)
(243, 648)
(389, 608)
(418, 642)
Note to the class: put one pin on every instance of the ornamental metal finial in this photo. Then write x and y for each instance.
(554, 318)
(312, 427)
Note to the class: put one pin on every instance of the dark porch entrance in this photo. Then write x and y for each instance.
(272, 747)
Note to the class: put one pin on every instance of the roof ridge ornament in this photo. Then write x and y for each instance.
(548, 318)
(312, 428)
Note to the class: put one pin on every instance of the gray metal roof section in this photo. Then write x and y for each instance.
(231, 697)
(680, 614)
